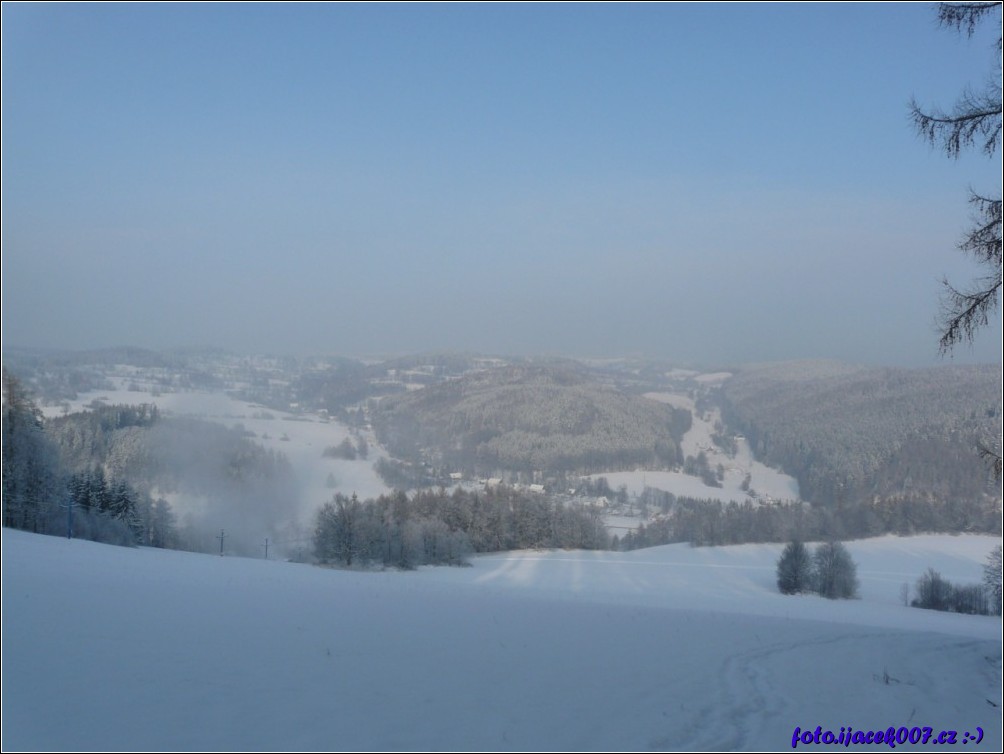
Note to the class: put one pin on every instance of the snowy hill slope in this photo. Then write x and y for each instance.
(301, 437)
(668, 648)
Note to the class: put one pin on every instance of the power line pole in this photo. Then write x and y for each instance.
(221, 538)
(69, 516)
(266, 548)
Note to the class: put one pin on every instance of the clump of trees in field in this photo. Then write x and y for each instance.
(937, 593)
(829, 572)
(712, 522)
(437, 527)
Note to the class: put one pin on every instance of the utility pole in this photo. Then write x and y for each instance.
(266, 548)
(221, 537)
(69, 517)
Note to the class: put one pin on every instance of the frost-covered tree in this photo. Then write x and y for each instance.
(122, 506)
(337, 536)
(933, 592)
(834, 572)
(854, 436)
(993, 575)
(794, 569)
(31, 468)
(344, 450)
(161, 528)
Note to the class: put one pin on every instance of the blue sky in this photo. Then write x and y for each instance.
(707, 183)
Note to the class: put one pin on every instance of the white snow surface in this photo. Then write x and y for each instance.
(670, 648)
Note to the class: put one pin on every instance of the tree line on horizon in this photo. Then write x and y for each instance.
(707, 522)
(437, 527)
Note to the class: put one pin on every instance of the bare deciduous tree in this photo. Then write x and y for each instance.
(974, 122)
(835, 572)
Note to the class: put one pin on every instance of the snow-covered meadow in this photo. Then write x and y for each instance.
(677, 648)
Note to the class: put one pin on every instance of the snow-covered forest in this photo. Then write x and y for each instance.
(852, 434)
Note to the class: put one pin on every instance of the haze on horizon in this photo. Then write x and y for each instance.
(704, 183)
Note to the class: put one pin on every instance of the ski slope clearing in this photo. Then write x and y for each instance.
(766, 483)
(671, 648)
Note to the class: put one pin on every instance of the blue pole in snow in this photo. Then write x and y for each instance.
(69, 517)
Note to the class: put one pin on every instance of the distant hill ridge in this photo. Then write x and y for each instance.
(854, 434)
(530, 417)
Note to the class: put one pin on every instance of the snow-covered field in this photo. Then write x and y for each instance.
(108, 648)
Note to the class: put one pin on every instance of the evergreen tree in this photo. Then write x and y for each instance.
(122, 507)
(324, 533)
(31, 469)
(794, 569)
(161, 529)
